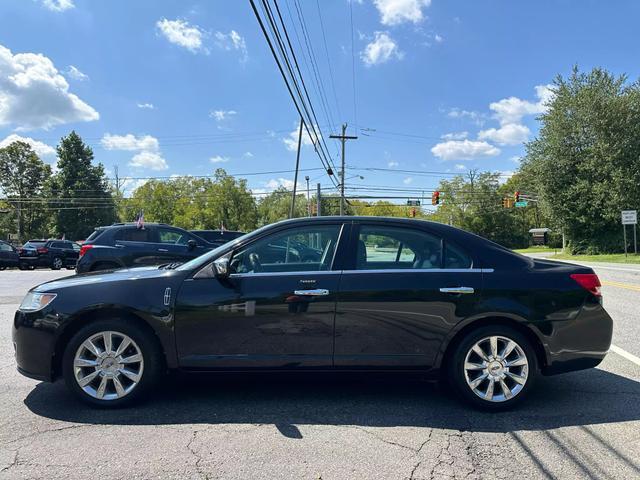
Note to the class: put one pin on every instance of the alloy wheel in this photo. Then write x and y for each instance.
(496, 368)
(57, 263)
(108, 365)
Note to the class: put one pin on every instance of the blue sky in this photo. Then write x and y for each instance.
(161, 88)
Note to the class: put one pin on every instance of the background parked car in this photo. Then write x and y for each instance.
(8, 256)
(125, 245)
(218, 237)
(54, 254)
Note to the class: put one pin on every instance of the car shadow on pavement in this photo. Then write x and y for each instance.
(589, 397)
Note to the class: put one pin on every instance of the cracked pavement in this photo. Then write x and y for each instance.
(579, 425)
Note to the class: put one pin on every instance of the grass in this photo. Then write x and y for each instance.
(607, 258)
(535, 249)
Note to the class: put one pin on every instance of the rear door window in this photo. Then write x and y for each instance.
(133, 235)
(455, 257)
(173, 237)
(384, 248)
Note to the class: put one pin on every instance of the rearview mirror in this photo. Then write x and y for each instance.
(221, 267)
(191, 244)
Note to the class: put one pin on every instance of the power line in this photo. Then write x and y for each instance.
(309, 126)
(326, 51)
(353, 69)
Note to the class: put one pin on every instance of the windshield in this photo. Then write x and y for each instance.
(202, 260)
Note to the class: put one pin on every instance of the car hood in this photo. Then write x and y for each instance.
(139, 274)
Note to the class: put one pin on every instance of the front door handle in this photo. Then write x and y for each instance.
(163, 250)
(457, 290)
(312, 293)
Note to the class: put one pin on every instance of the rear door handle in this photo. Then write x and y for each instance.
(456, 290)
(163, 250)
(312, 293)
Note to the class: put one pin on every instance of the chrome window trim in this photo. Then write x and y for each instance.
(270, 274)
(381, 270)
(423, 270)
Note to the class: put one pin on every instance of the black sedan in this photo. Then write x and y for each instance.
(8, 256)
(394, 295)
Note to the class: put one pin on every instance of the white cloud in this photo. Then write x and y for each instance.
(40, 148)
(248, 155)
(464, 150)
(394, 12)
(459, 166)
(219, 159)
(508, 134)
(512, 109)
(470, 114)
(151, 160)
(58, 5)
(33, 94)
(180, 32)
(76, 74)
(148, 149)
(393, 164)
(221, 115)
(455, 136)
(291, 142)
(130, 142)
(146, 106)
(438, 38)
(232, 41)
(380, 50)
(408, 180)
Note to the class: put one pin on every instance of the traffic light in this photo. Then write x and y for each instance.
(435, 198)
(516, 196)
(507, 202)
(412, 213)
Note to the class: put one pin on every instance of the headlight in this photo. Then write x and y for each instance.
(34, 301)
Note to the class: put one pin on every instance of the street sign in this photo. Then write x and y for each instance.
(521, 204)
(413, 203)
(629, 217)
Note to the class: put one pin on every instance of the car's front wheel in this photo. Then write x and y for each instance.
(493, 367)
(112, 363)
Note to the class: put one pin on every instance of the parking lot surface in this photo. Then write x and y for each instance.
(579, 425)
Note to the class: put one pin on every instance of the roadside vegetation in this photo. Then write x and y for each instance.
(605, 258)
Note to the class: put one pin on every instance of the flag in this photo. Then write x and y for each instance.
(64, 237)
(140, 220)
(222, 226)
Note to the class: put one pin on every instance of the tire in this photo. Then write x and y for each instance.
(2, 267)
(57, 263)
(140, 378)
(511, 385)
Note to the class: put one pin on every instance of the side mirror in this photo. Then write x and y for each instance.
(191, 244)
(221, 267)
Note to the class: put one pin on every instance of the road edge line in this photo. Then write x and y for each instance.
(623, 353)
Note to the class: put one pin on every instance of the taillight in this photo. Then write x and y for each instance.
(42, 250)
(84, 248)
(588, 281)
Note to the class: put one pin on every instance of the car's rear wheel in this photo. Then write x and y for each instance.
(56, 263)
(493, 367)
(112, 363)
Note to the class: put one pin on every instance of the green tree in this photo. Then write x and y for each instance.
(80, 190)
(585, 161)
(22, 178)
(474, 203)
(196, 203)
(276, 206)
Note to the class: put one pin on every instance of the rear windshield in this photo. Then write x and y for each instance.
(96, 233)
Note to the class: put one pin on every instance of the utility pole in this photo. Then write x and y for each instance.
(308, 197)
(295, 178)
(343, 138)
(318, 202)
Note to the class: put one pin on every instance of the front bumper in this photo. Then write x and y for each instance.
(579, 343)
(34, 337)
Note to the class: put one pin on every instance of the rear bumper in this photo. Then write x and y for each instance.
(579, 343)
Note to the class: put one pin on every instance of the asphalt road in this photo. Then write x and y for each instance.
(578, 425)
